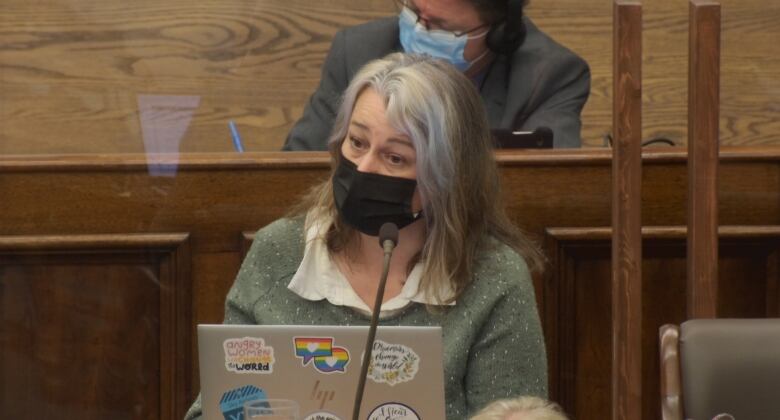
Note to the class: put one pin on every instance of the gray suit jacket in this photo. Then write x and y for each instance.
(541, 84)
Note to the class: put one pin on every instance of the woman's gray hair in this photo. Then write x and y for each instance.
(432, 103)
(440, 110)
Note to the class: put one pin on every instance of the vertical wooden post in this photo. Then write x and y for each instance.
(626, 212)
(703, 118)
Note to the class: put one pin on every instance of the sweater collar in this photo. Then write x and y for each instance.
(319, 278)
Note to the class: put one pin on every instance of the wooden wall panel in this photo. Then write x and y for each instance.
(94, 327)
(578, 296)
(76, 73)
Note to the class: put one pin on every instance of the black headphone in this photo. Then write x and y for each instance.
(506, 36)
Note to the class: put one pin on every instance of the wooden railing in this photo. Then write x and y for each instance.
(703, 146)
(626, 212)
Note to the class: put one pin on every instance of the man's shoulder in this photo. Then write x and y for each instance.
(374, 38)
(357, 45)
(541, 47)
(384, 27)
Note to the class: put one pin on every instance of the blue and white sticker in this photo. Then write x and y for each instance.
(232, 402)
(393, 411)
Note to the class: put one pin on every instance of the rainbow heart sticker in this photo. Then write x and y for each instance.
(326, 357)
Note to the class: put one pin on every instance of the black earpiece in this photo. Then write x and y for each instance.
(506, 36)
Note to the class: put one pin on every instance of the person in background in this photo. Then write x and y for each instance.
(521, 408)
(410, 145)
(526, 80)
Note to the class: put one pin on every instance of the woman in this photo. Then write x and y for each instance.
(410, 145)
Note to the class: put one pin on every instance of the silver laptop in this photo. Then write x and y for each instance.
(319, 367)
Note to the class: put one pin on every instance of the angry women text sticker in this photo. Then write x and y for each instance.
(248, 355)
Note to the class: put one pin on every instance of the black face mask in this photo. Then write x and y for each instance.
(366, 201)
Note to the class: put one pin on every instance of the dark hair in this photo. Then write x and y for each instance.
(493, 11)
(507, 29)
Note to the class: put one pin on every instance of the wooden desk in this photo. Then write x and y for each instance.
(105, 268)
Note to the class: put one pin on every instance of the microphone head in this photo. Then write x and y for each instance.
(388, 232)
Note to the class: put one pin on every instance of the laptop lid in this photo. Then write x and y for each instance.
(319, 367)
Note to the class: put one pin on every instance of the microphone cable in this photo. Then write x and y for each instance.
(654, 140)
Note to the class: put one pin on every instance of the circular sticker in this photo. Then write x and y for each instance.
(322, 415)
(393, 364)
(393, 411)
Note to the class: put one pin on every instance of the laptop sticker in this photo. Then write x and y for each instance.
(322, 415)
(393, 411)
(248, 355)
(321, 396)
(232, 402)
(393, 363)
(326, 357)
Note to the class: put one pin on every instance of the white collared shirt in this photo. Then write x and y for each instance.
(319, 278)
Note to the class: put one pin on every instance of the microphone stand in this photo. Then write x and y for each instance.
(388, 238)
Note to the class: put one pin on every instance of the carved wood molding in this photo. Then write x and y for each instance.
(321, 160)
(58, 244)
(659, 232)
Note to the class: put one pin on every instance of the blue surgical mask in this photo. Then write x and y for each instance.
(415, 38)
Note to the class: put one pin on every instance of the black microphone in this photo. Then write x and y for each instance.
(388, 239)
(544, 133)
(541, 138)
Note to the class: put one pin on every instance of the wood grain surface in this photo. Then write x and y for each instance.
(750, 87)
(626, 285)
(91, 76)
(561, 196)
(703, 105)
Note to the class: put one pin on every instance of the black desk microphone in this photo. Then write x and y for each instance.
(540, 138)
(388, 239)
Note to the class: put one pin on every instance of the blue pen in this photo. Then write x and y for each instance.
(236, 137)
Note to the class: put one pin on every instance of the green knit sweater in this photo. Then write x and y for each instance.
(492, 337)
